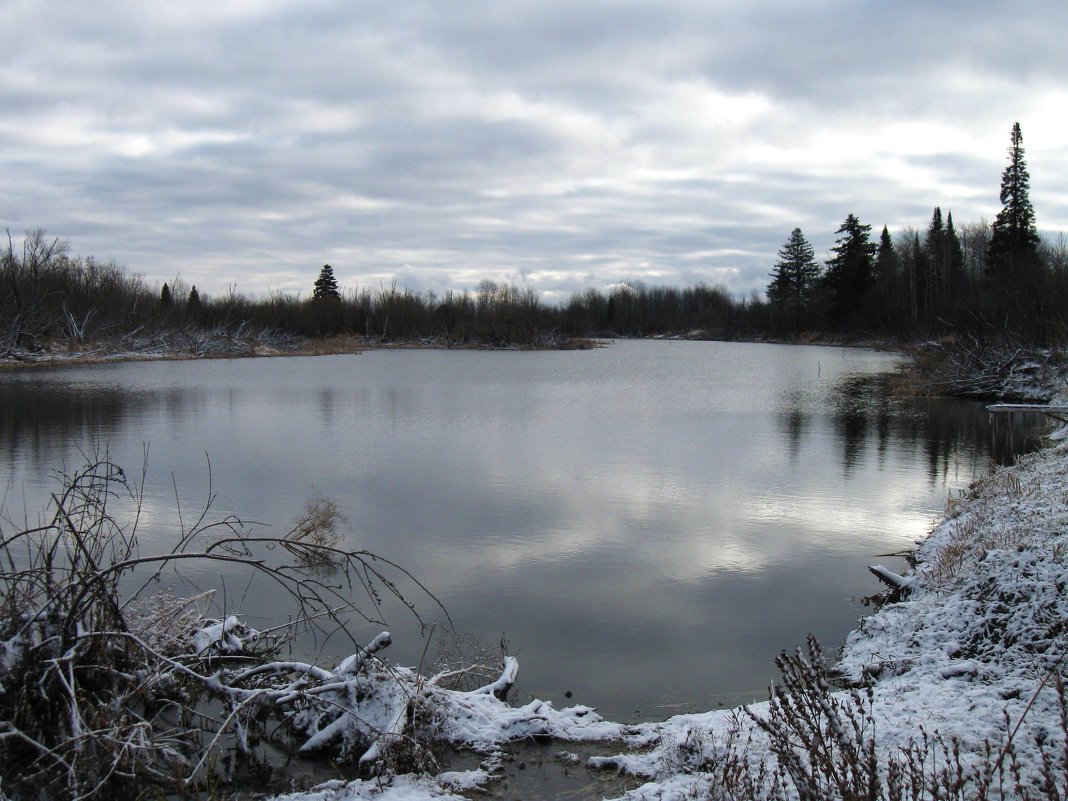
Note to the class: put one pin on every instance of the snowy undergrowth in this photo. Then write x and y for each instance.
(981, 639)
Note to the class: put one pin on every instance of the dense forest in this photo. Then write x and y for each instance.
(979, 279)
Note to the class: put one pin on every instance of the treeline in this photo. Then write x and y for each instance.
(982, 279)
(48, 296)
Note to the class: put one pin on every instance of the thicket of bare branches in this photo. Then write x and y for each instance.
(970, 364)
(110, 684)
(825, 748)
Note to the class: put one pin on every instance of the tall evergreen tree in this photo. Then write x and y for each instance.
(933, 277)
(794, 279)
(849, 273)
(887, 278)
(165, 299)
(326, 285)
(1013, 236)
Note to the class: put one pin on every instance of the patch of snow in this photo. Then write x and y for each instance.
(227, 636)
(394, 788)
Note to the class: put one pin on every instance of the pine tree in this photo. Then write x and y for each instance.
(165, 299)
(326, 285)
(794, 278)
(849, 273)
(1013, 236)
(192, 303)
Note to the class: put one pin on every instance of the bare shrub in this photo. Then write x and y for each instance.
(977, 365)
(314, 538)
(105, 692)
(824, 747)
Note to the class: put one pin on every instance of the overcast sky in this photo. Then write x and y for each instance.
(554, 144)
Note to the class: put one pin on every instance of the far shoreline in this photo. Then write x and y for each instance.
(60, 354)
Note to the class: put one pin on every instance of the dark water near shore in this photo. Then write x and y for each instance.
(647, 524)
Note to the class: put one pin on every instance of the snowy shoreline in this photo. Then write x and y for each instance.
(967, 653)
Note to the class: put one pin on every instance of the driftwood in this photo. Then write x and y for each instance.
(988, 368)
(221, 341)
(898, 587)
(892, 580)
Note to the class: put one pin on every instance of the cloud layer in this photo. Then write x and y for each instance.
(554, 144)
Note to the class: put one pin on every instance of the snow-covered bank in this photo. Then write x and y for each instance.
(963, 666)
(971, 653)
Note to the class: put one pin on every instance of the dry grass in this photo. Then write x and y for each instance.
(977, 524)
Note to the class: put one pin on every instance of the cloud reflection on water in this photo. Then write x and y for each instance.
(661, 516)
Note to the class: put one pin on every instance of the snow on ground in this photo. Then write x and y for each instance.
(968, 652)
(444, 787)
(973, 644)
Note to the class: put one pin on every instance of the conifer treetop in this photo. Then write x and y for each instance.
(326, 287)
(1014, 235)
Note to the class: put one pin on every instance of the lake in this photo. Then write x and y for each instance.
(647, 524)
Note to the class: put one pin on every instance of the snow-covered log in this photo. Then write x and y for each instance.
(352, 664)
(902, 584)
(499, 689)
(226, 636)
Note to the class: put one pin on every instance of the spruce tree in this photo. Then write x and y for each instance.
(794, 278)
(953, 260)
(165, 299)
(192, 304)
(887, 277)
(1013, 236)
(326, 285)
(917, 268)
(934, 250)
(849, 273)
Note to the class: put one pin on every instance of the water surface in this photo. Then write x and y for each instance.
(647, 524)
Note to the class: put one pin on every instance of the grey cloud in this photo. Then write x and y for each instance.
(433, 142)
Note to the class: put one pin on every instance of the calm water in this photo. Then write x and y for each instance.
(647, 524)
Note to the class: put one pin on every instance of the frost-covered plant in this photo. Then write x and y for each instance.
(106, 690)
(825, 748)
(823, 741)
